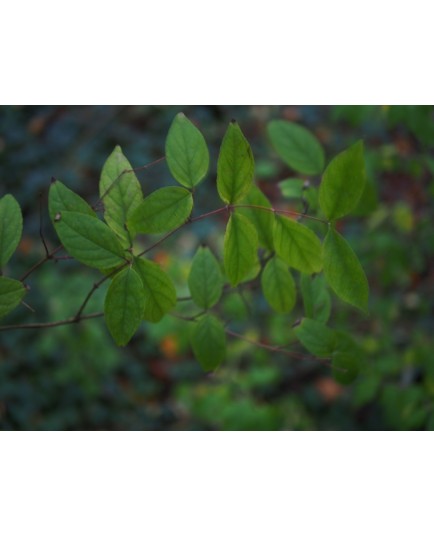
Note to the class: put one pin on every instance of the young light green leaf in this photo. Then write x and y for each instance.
(160, 293)
(89, 240)
(316, 298)
(120, 192)
(208, 341)
(292, 188)
(11, 294)
(240, 248)
(61, 198)
(235, 166)
(186, 152)
(263, 220)
(297, 245)
(124, 305)
(278, 286)
(11, 227)
(343, 182)
(344, 272)
(317, 338)
(162, 211)
(205, 280)
(297, 147)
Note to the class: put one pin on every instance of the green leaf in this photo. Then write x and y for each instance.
(11, 294)
(186, 152)
(162, 211)
(317, 338)
(297, 147)
(278, 286)
(160, 293)
(11, 227)
(292, 188)
(263, 220)
(205, 280)
(124, 305)
(345, 367)
(61, 198)
(343, 182)
(208, 341)
(240, 248)
(89, 240)
(235, 166)
(316, 298)
(120, 192)
(344, 272)
(297, 245)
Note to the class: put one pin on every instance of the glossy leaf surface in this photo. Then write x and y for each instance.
(162, 211)
(11, 227)
(278, 286)
(240, 248)
(124, 305)
(186, 152)
(160, 293)
(208, 340)
(205, 280)
(344, 272)
(120, 192)
(263, 220)
(297, 245)
(235, 166)
(11, 294)
(89, 240)
(343, 183)
(297, 147)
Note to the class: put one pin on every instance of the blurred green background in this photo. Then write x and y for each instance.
(75, 378)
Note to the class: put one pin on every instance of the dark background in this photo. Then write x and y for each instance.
(75, 378)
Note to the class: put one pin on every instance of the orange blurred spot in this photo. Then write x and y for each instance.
(25, 246)
(328, 388)
(162, 258)
(169, 347)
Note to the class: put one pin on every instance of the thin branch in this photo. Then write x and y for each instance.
(282, 211)
(190, 220)
(95, 286)
(278, 349)
(43, 325)
(124, 172)
(48, 257)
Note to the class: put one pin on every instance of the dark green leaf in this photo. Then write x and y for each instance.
(89, 240)
(61, 198)
(124, 305)
(317, 338)
(160, 293)
(343, 182)
(344, 272)
(278, 286)
(208, 341)
(11, 294)
(297, 245)
(240, 248)
(120, 192)
(162, 211)
(235, 166)
(345, 367)
(296, 146)
(186, 152)
(316, 297)
(263, 220)
(11, 227)
(205, 280)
